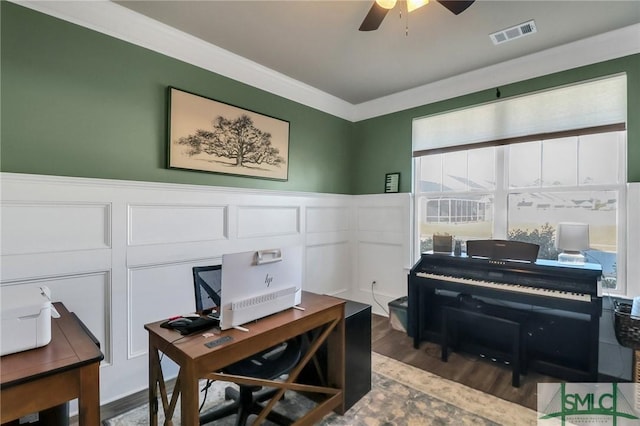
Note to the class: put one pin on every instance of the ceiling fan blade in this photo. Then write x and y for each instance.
(456, 6)
(374, 18)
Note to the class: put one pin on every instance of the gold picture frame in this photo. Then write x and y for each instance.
(212, 136)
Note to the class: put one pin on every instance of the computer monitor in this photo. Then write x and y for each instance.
(207, 282)
(259, 283)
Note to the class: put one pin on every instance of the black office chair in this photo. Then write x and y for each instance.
(269, 364)
(245, 401)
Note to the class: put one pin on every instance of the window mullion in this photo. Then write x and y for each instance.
(500, 213)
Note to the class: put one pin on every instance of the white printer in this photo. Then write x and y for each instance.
(26, 318)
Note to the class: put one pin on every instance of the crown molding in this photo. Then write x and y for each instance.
(122, 23)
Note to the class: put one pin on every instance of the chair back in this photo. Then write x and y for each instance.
(270, 363)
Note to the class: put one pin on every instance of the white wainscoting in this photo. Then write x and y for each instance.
(119, 253)
(382, 243)
(633, 239)
(79, 226)
(188, 224)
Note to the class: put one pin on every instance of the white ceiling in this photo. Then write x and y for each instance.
(318, 42)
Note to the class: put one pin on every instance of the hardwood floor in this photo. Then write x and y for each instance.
(469, 370)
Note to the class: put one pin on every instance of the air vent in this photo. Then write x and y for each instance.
(513, 33)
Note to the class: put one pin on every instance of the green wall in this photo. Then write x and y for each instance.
(79, 103)
(383, 144)
(76, 102)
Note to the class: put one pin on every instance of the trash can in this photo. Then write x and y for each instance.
(398, 313)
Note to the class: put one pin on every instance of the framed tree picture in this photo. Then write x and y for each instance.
(212, 136)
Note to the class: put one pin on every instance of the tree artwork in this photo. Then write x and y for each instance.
(212, 136)
(236, 139)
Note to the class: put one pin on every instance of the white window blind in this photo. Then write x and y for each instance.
(589, 104)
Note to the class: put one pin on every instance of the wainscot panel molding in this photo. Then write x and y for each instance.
(119, 253)
(382, 248)
(55, 227)
(327, 219)
(156, 292)
(156, 224)
(335, 280)
(633, 239)
(268, 221)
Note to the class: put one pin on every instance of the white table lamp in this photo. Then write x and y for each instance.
(571, 239)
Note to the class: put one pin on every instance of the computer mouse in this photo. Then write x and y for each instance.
(180, 322)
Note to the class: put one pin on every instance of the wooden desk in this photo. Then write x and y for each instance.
(65, 369)
(197, 361)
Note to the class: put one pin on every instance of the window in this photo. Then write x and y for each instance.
(455, 195)
(521, 192)
(515, 168)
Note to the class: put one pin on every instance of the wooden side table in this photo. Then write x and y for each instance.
(44, 378)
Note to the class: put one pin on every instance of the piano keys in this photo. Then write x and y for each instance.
(558, 305)
(510, 287)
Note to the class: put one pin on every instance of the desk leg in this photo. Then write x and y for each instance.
(154, 366)
(336, 361)
(89, 398)
(189, 397)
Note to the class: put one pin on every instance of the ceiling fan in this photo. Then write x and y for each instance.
(380, 8)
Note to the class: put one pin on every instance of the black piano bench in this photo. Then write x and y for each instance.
(510, 330)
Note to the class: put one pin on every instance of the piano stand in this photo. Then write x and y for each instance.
(511, 331)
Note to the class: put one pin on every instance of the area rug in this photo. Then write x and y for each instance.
(401, 395)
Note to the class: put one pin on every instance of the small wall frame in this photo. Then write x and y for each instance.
(392, 182)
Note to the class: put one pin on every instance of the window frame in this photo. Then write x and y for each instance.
(502, 191)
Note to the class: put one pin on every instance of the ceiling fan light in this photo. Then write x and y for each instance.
(414, 4)
(386, 4)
